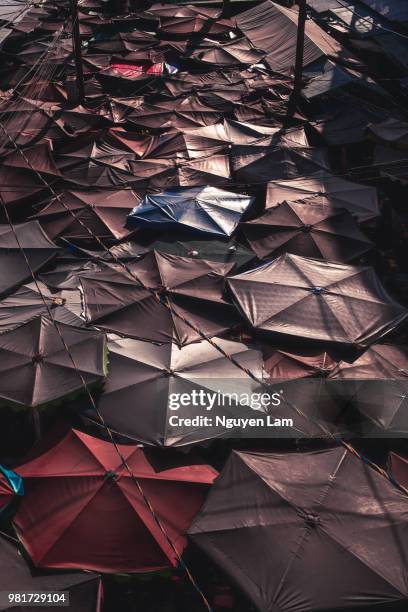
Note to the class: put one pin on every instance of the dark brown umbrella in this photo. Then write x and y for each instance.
(233, 53)
(312, 230)
(83, 589)
(324, 188)
(276, 523)
(114, 300)
(136, 401)
(187, 112)
(41, 368)
(260, 163)
(316, 300)
(29, 242)
(164, 173)
(188, 20)
(27, 303)
(19, 182)
(289, 365)
(375, 387)
(103, 212)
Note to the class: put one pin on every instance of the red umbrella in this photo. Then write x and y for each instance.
(82, 509)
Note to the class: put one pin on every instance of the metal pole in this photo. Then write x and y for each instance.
(76, 46)
(300, 44)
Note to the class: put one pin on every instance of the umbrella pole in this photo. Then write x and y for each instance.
(300, 44)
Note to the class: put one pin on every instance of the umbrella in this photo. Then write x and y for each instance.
(312, 230)
(137, 399)
(202, 209)
(392, 131)
(259, 163)
(187, 21)
(324, 188)
(27, 241)
(282, 364)
(233, 53)
(316, 300)
(115, 301)
(42, 370)
(84, 589)
(214, 249)
(162, 173)
(100, 521)
(32, 300)
(276, 522)
(103, 212)
(375, 385)
(11, 484)
(175, 114)
(19, 183)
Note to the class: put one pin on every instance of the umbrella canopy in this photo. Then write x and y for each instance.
(103, 212)
(398, 466)
(42, 370)
(16, 574)
(392, 132)
(312, 230)
(233, 53)
(27, 303)
(259, 163)
(114, 300)
(137, 398)
(162, 173)
(273, 522)
(203, 209)
(316, 300)
(282, 364)
(11, 484)
(190, 111)
(324, 188)
(19, 182)
(188, 20)
(27, 241)
(376, 387)
(100, 520)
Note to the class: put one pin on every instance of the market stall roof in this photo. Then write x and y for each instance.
(312, 230)
(100, 520)
(203, 209)
(274, 522)
(316, 300)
